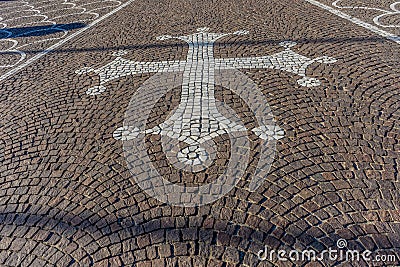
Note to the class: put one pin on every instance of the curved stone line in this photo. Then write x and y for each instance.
(16, 49)
(394, 11)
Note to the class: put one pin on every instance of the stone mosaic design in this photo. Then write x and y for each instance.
(27, 26)
(286, 60)
(384, 13)
(197, 120)
(67, 197)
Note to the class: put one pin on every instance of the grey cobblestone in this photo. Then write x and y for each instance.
(67, 197)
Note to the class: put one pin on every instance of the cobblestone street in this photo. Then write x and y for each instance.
(199, 133)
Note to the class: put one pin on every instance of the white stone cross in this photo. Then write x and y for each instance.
(201, 54)
(197, 119)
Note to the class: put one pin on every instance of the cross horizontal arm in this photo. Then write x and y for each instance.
(123, 67)
(244, 63)
(293, 64)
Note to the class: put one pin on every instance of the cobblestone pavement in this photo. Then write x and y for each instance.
(70, 197)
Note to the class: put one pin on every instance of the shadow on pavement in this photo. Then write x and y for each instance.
(236, 43)
(38, 30)
(205, 232)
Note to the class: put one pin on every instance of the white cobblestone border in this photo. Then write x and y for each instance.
(393, 11)
(38, 11)
(63, 41)
(357, 21)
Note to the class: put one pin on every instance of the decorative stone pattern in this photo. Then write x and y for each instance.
(197, 118)
(380, 17)
(67, 197)
(202, 43)
(392, 11)
(27, 26)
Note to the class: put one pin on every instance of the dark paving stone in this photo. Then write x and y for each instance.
(67, 197)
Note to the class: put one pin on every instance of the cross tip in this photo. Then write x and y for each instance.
(241, 32)
(119, 53)
(163, 37)
(288, 44)
(203, 29)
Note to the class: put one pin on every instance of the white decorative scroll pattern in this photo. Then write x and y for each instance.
(375, 29)
(392, 10)
(21, 19)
